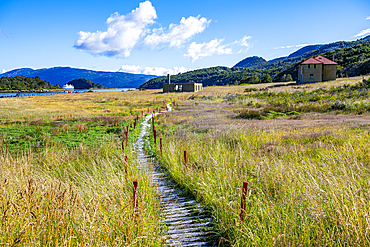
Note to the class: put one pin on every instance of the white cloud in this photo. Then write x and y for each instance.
(244, 43)
(290, 46)
(178, 34)
(123, 33)
(368, 18)
(159, 71)
(302, 45)
(363, 33)
(3, 71)
(197, 51)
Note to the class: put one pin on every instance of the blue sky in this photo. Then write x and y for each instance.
(160, 37)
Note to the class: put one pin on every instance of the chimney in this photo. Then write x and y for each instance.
(169, 78)
(333, 57)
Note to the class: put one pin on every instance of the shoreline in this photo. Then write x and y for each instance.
(32, 91)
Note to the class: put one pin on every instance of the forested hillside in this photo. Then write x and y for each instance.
(214, 76)
(253, 63)
(82, 83)
(25, 83)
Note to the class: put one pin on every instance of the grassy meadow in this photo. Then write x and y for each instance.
(64, 179)
(303, 149)
(306, 161)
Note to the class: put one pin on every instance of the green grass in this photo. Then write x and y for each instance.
(348, 99)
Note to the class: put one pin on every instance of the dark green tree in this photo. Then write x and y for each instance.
(266, 79)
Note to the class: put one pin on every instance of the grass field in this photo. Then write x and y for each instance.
(64, 180)
(303, 149)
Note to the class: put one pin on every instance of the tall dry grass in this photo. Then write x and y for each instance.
(79, 195)
(76, 197)
(307, 187)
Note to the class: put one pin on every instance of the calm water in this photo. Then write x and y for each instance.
(64, 92)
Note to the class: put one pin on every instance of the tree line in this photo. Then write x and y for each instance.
(25, 83)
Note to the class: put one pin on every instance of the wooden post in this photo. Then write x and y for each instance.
(126, 165)
(155, 136)
(185, 159)
(243, 200)
(126, 134)
(136, 199)
(123, 146)
(160, 144)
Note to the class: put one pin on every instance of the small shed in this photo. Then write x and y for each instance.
(182, 87)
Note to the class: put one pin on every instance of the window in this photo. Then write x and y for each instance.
(311, 76)
(314, 66)
(308, 66)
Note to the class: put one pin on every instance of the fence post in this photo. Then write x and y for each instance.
(126, 165)
(155, 137)
(123, 146)
(136, 199)
(127, 134)
(243, 200)
(185, 158)
(160, 144)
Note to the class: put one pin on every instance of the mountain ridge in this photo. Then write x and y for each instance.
(304, 52)
(62, 75)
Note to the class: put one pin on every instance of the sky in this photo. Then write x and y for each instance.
(159, 37)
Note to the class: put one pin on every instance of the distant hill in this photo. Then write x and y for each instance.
(303, 53)
(83, 83)
(62, 75)
(252, 62)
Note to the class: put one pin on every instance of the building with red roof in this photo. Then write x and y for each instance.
(316, 69)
